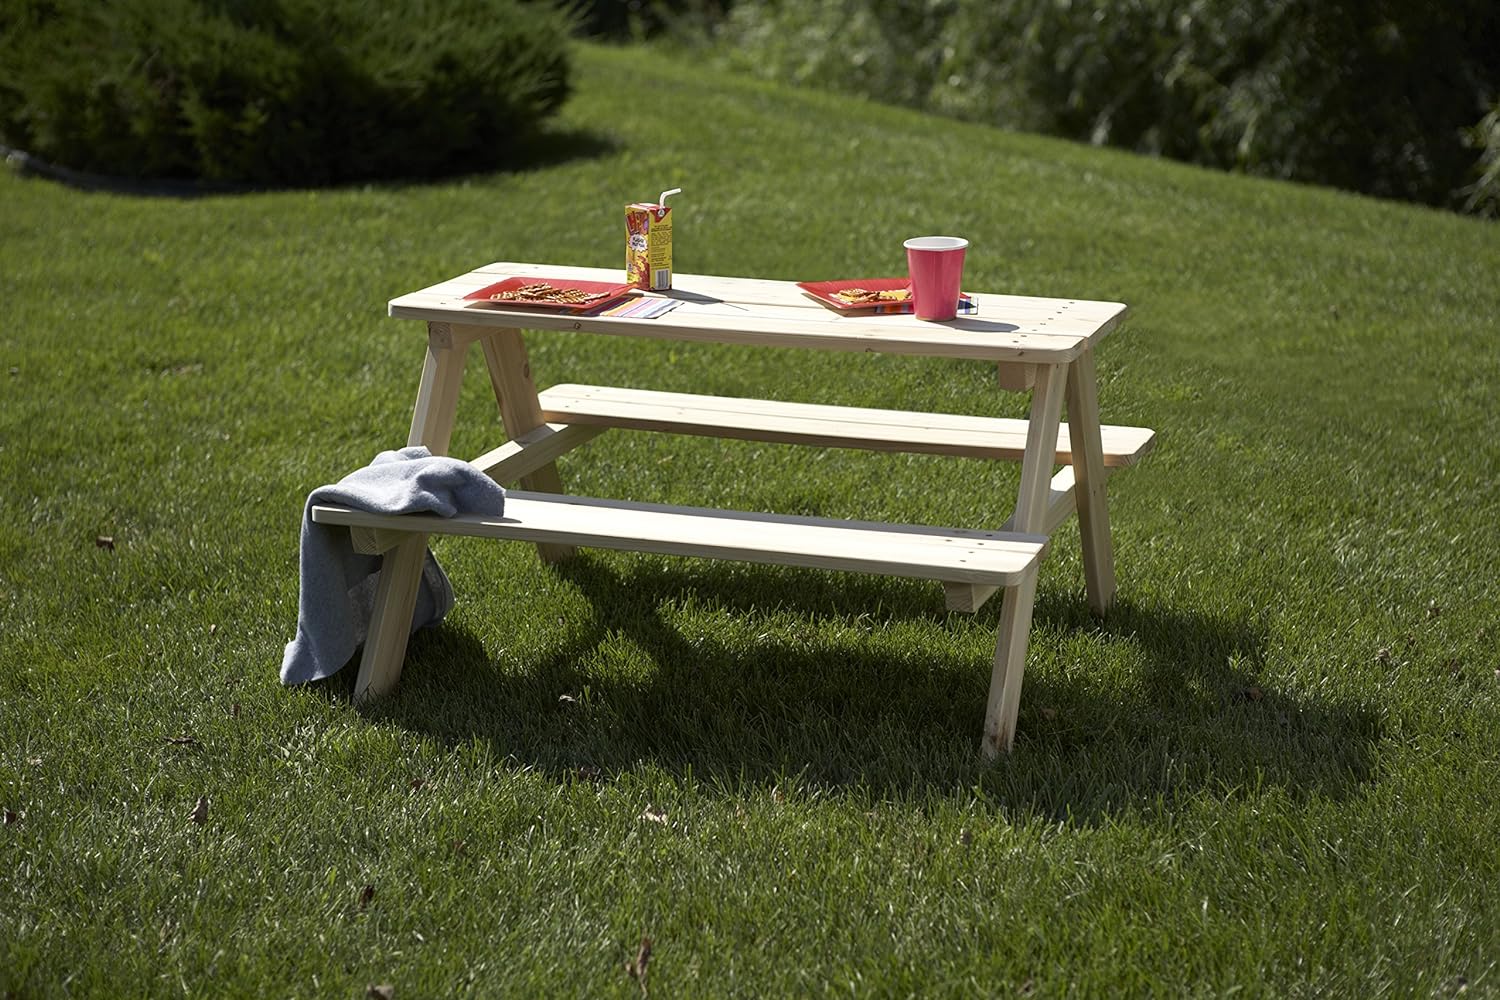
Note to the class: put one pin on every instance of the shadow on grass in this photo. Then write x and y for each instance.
(851, 698)
(552, 147)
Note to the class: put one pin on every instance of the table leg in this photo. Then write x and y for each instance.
(1010, 666)
(1041, 451)
(1035, 495)
(520, 411)
(1030, 516)
(401, 567)
(1088, 477)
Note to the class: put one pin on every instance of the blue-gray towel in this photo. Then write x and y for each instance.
(338, 583)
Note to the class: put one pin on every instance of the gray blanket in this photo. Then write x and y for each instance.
(338, 584)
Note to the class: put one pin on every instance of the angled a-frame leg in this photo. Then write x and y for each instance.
(401, 568)
(1030, 516)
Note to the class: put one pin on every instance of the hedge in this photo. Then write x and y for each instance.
(1382, 96)
(279, 92)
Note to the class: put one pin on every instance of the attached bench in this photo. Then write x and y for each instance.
(821, 425)
(996, 559)
(576, 413)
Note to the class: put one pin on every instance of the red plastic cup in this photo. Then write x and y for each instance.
(936, 267)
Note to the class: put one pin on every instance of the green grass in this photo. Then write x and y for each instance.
(1318, 523)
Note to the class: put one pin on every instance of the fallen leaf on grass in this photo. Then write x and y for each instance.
(1253, 693)
(637, 968)
(1049, 714)
(366, 896)
(106, 542)
(654, 817)
(199, 814)
(385, 991)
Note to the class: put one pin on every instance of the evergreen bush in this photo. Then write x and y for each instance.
(279, 92)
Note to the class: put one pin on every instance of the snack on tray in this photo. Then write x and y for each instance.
(865, 297)
(541, 291)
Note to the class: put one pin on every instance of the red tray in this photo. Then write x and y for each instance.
(824, 291)
(606, 291)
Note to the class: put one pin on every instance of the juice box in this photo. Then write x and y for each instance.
(648, 243)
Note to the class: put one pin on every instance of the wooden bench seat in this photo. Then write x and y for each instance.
(995, 557)
(1001, 559)
(575, 414)
(820, 425)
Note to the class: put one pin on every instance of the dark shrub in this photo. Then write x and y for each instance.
(279, 91)
(1380, 96)
(1482, 197)
(635, 20)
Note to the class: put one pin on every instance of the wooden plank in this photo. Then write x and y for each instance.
(917, 551)
(1038, 501)
(776, 313)
(1016, 378)
(1061, 325)
(819, 425)
(401, 567)
(437, 393)
(966, 337)
(536, 448)
(1041, 446)
(390, 624)
(976, 337)
(1089, 468)
(769, 292)
(749, 297)
(510, 376)
(374, 541)
(1004, 700)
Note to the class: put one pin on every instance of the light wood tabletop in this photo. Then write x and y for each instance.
(769, 313)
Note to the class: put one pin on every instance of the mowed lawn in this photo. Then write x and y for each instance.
(1272, 768)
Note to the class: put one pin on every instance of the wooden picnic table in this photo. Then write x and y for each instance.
(1041, 344)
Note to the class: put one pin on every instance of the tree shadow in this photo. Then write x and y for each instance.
(832, 688)
(552, 146)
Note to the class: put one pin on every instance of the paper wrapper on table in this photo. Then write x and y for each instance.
(966, 307)
(648, 246)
